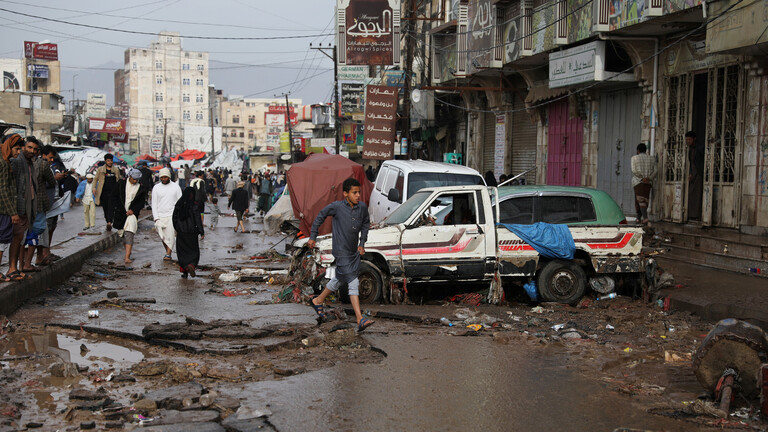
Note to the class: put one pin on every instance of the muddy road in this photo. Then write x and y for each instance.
(217, 352)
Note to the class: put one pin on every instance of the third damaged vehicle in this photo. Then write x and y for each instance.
(463, 243)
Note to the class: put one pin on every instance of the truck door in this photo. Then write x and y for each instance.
(448, 241)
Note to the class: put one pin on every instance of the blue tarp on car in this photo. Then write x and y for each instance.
(550, 240)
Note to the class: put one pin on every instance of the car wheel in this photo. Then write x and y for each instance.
(562, 282)
(371, 283)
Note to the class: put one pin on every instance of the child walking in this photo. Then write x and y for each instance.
(215, 212)
(350, 232)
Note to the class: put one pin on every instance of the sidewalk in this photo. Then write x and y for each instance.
(717, 294)
(69, 242)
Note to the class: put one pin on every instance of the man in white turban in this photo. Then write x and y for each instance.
(164, 197)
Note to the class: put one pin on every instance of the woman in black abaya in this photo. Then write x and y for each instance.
(188, 225)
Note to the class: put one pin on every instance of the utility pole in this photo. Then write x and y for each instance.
(165, 130)
(408, 72)
(290, 129)
(337, 126)
(212, 135)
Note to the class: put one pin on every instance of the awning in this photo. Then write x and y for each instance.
(543, 92)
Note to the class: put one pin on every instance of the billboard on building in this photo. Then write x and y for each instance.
(369, 32)
(353, 100)
(34, 50)
(482, 20)
(38, 71)
(380, 122)
(106, 125)
(96, 105)
(199, 138)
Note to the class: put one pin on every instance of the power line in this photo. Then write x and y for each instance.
(155, 34)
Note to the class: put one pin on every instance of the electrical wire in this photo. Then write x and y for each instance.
(244, 38)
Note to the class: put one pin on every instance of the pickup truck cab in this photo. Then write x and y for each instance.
(467, 245)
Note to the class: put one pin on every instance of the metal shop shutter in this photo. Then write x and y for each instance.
(489, 143)
(523, 145)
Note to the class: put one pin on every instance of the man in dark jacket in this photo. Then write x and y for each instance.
(239, 202)
(26, 205)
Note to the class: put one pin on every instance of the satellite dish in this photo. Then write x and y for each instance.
(416, 95)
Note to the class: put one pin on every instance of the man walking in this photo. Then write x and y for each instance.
(350, 232)
(85, 195)
(106, 180)
(164, 197)
(198, 184)
(11, 146)
(643, 173)
(26, 192)
(182, 174)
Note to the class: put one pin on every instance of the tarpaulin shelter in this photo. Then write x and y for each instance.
(189, 154)
(317, 182)
(85, 160)
(146, 157)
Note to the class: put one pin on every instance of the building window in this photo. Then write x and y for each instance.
(200, 67)
(158, 97)
(185, 97)
(134, 66)
(158, 64)
(187, 116)
(158, 114)
(199, 98)
(200, 82)
(168, 39)
(235, 119)
(199, 115)
(251, 119)
(158, 130)
(185, 81)
(159, 79)
(250, 134)
(242, 134)
(233, 133)
(185, 66)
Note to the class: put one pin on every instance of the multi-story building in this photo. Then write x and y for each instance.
(256, 124)
(166, 89)
(30, 95)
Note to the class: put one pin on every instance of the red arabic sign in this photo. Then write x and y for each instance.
(380, 122)
(280, 109)
(34, 50)
(114, 126)
(121, 137)
(369, 32)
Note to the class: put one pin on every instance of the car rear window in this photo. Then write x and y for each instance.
(516, 210)
(566, 209)
(421, 180)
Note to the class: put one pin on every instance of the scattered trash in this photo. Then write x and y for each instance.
(558, 327)
(475, 327)
(235, 293)
(538, 310)
(471, 299)
(446, 322)
(757, 271)
(603, 284)
(609, 327)
(742, 413)
(627, 350)
(513, 317)
(229, 277)
(607, 297)
(104, 275)
(93, 313)
(463, 313)
(674, 357)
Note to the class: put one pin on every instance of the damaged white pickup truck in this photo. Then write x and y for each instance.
(450, 234)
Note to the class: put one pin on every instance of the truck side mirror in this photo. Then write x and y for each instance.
(394, 195)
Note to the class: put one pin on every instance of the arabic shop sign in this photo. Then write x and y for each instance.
(34, 50)
(482, 20)
(577, 65)
(353, 100)
(369, 32)
(37, 71)
(115, 126)
(353, 73)
(380, 122)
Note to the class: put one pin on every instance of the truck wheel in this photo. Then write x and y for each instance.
(562, 282)
(371, 283)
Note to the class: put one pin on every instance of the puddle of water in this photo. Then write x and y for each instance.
(68, 349)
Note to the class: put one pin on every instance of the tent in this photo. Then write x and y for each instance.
(146, 157)
(229, 160)
(84, 160)
(317, 182)
(189, 155)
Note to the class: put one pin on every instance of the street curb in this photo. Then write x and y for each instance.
(720, 311)
(14, 294)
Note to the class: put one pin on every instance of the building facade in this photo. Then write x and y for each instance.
(166, 90)
(31, 95)
(256, 124)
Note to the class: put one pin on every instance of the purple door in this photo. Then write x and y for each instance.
(564, 153)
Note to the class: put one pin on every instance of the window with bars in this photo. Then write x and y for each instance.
(199, 115)
(722, 107)
(675, 150)
(251, 119)
(199, 98)
(187, 115)
(158, 97)
(158, 114)
(185, 81)
(158, 65)
(185, 97)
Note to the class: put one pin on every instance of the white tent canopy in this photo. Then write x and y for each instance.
(82, 160)
(229, 160)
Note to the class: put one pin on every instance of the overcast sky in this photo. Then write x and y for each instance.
(252, 68)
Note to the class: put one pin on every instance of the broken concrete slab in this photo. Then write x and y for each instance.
(172, 397)
(185, 427)
(247, 425)
(340, 337)
(175, 417)
(236, 332)
(83, 394)
(146, 368)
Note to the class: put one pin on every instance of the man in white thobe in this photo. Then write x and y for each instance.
(164, 197)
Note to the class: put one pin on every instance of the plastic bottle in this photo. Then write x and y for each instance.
(446, 322)
(607, 297)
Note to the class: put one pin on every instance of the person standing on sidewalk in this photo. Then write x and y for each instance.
(86, 195)
(189, 225)
(350, 232)
(9, 217)
(47, 182)
(198, 184)
(164, 197)
(26, 205)
(128, 198)
(106, 179)
(239, 202)
(643, 173)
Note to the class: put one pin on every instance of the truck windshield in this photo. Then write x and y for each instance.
(421, 180)
(402, 213)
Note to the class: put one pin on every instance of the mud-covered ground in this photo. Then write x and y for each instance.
(216, 352)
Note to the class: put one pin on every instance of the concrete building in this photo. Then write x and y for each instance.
(166, 89)
(256, 124)
(31, 97)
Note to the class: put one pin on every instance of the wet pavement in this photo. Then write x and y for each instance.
(167, 353)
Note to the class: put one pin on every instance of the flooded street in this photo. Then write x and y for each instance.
(217, 352)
